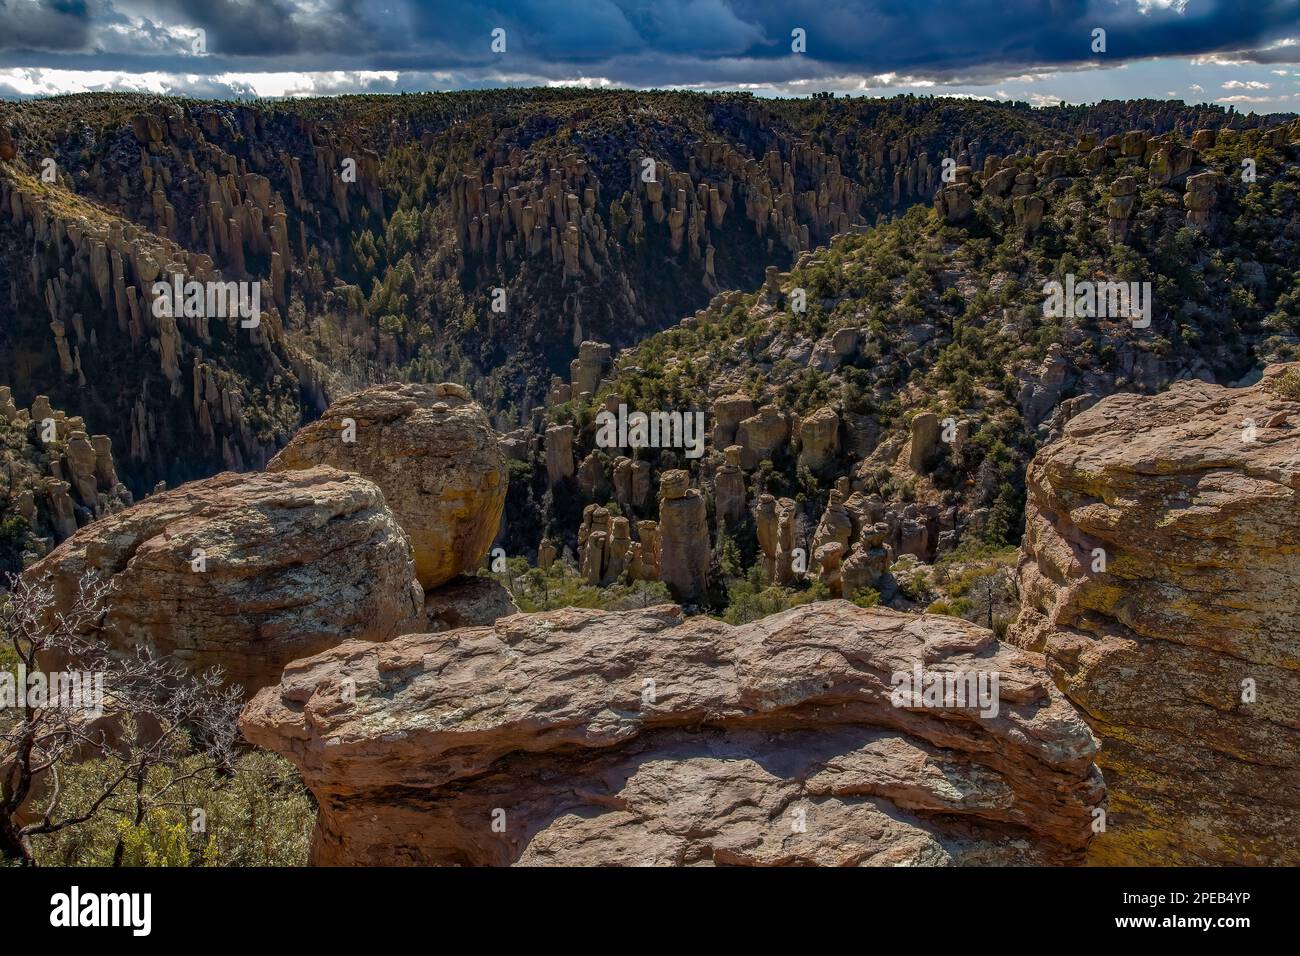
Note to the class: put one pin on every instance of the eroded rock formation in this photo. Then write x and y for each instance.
(433, 454)
(1161, 577)
(247, 572)
(683, 537)
(589, 737)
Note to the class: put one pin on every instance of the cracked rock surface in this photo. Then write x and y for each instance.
(640, 737)
(1181, 649)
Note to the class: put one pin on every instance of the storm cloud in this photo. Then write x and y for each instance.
(400, 44)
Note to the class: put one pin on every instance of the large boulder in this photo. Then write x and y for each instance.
(1161, 577)
(641, 737)
(432, 452)
(248, 572)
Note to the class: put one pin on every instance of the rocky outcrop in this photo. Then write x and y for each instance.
(729, 489)
(683, 537)
(1123, 197)
(775, 526)
(93, 273)
(643, 557)
(923, 444)
(58, 477)
(587, 369)
(955, 202)
(247, 572)
(819, 438)
(761, 435)
(433, 454)
(1161, 577)
(728, 412)
(582, 737)
(559, 453)
(1200, 198)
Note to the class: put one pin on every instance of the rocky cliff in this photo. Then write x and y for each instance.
(56, 479)
(1161, 579)
(881, 399)
(588, 737)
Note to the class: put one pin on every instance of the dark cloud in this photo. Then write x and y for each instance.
(634, 42)
(45, 24)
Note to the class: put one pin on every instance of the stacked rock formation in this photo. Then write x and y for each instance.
(246, 572)
(631, 480)
(1200, 198)
(924, 442)
(1123, 197)
(683, 537)
(643, 557)
(434, 455)
(819, 438)
(729, 489)
(589, 367)
(728, 412)
(559, 453)
(607, 553)
(775, 521)
(583, 737)
(73, 478)
(1161, 578)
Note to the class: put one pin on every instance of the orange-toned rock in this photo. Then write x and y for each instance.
(639, 737)
(432, 452)
(1161, 577)
(247, 572)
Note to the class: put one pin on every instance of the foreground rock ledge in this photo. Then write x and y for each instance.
(1199, 601)
(432, 452)
(639, 737)
(291, 564)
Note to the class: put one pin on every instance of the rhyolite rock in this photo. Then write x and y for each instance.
(1161, 578)
(468, 601)
(582, 737)
(435, 456)
(558, 440)
(683, 537)
(246, 572)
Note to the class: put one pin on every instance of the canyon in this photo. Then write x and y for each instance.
(483, 626)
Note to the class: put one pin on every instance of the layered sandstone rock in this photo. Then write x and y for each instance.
(590, 737)
(432, 452)
(1161, 577)
(247, 572)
